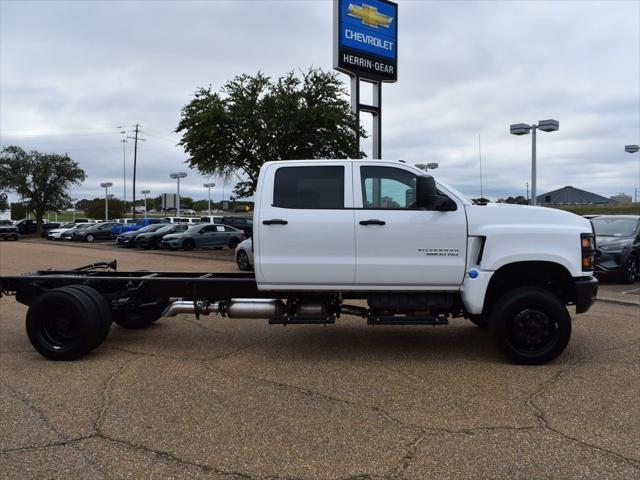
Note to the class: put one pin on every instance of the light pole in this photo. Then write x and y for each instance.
(178, 176)
(73, 205)
(144, 192)
(427, 166)
(523, 129)
(634, 149)
(209, 186)
(106, 186)
(124, 168)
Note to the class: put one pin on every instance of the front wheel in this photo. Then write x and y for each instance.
(90, 238)
(243, 261)
(188, 245)
(631, 269)
(530, 325)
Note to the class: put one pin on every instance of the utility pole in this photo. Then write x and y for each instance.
(135, 162)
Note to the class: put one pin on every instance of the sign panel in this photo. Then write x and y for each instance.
(366, 39)
(169, 200)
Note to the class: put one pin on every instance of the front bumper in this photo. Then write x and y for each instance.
(125, 242)
(608, 263)
(586, 291)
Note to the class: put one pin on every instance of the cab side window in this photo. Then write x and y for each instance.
(387, 188)
(309, 187)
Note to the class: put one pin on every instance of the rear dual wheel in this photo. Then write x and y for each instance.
(530, 325)
(66, 323)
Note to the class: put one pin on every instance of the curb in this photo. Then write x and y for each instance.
(620, 302)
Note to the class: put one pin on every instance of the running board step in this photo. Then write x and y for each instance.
(296, 320)
(407, 320)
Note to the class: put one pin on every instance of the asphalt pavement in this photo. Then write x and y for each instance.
(239, 399)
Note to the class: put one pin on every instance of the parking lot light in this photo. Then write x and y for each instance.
(73, 205)
(209, 186)
(177, 176)
(427, 166)
(144, 192)
(549, 125)
(106, 186)
(634, 149)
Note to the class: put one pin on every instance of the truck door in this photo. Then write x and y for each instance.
(397, 244)
(304, 226)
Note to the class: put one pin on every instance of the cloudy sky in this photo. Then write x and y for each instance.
(72, 72)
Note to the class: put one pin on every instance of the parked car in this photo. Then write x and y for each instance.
(241, 223)
(56, 233)
(618, 246)
(189, 220)
(244, 255)
(8, 231)
(207, 235)
(130, 224)
(211, 219)
(128, 239)
(27, 225)
(67, 234)
(152, 239)
(98, 231)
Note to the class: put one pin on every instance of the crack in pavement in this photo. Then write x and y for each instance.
(106, 391)
(42, 418)
(543, 416)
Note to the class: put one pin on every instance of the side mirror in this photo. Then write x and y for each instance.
(427, 196)
(425, 191)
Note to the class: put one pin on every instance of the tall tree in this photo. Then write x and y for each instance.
(40, 178)
(254, 119)
(95, 208)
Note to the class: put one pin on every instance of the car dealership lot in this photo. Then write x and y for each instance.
(220, 398)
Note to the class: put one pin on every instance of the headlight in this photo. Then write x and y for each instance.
(587, 244)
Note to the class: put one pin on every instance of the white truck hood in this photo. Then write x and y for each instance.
(492, 215)
(519, 233)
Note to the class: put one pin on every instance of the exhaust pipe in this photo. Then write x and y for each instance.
(185, 306)
(236, 308)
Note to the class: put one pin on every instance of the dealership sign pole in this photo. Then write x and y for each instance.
(365, 47)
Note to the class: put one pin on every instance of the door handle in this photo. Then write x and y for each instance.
(275, 221)
(372, 222)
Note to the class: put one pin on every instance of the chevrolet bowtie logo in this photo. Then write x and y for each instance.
(369, 15)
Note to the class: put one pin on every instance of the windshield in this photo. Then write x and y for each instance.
(194, 229)
(165, 229)
(614, 227)
(149, 228)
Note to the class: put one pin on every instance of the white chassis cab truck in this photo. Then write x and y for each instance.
(401, 247)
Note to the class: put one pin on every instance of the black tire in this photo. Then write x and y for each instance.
(242, 259)
(132, 319)
(233, 243)
(479, 321)
(631, 269)
(103, 307)
(66, 323)
(188, 244)
(530, 325)
(90, 238)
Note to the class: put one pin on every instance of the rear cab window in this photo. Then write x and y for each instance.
(309, 187)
